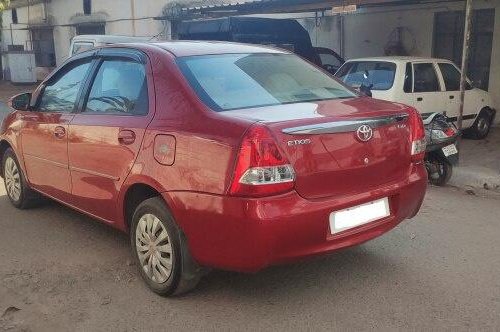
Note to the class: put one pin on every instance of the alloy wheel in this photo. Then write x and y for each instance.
(154, 248)
(12, 179)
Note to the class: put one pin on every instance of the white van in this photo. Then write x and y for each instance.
(83, 43)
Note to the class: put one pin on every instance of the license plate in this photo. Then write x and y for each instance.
(359, 215)
(449, 150)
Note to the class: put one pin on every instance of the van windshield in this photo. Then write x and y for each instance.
(235, 81)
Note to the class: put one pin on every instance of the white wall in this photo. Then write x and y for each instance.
(123, 17)
(365, 33)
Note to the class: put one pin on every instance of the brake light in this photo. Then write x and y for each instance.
(418, 143)
(261, 169)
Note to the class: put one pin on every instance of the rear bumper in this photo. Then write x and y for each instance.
(250, 234)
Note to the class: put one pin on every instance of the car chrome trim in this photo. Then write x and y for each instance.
(55, 163)
(345, 126)
(86, 171)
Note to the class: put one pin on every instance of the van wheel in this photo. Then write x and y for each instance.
(481, 127)
(18, 191)
(159, 250)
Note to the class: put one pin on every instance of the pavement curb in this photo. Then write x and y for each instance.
(476, 177)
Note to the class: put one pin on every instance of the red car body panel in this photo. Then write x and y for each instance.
(101, 162)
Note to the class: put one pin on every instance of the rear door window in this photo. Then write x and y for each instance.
(380, 74)
(120, 88)
(426, 79)
(451, 76)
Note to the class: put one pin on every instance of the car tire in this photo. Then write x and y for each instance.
(160, 251)
(481, 127)
(18, 190)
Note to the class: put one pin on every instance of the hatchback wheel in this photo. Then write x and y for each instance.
(18, 191)
(482, 126)
(159, 251)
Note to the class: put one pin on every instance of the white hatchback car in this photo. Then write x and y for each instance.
(430, 85)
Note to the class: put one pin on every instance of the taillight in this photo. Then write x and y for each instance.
(450, 132)
(261, 169)
(417, 138)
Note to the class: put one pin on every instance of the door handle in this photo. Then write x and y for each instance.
(420, 98)
(452, 97)
(59, 132)
(126, 137)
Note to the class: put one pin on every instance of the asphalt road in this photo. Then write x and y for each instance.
(59, 270)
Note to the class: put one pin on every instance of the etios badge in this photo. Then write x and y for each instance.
(299, 142)
(364, 133)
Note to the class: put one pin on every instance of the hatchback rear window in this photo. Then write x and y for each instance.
(235, 81)
(380, 74)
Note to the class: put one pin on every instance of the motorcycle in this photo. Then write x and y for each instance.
(441, 153)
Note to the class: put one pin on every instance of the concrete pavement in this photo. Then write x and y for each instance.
(479, 163)
(60, 270)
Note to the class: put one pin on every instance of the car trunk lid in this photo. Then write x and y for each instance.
(341, 146)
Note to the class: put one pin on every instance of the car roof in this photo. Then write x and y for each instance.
(180, 48)
(399, 59)
(108, 39)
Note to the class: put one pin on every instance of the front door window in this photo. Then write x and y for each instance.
(60, 95)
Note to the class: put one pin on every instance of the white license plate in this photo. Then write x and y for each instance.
(359, 215)
(449, 150)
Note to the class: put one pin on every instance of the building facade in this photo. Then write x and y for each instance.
(429, 28)
(47, 27)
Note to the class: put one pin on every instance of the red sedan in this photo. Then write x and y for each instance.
(214, 155)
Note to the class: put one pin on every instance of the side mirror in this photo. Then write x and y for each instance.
(20, 102)
(366, 90)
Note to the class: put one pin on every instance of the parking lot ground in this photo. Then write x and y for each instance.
(60, 270)
(8, 89)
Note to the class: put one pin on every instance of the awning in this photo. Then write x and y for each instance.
(253, 7)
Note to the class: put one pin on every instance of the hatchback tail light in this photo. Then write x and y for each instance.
(417, 136)
(261, 169)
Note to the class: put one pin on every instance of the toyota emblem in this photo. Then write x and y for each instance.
(364, 133)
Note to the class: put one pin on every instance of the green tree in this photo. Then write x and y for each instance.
(4, 4)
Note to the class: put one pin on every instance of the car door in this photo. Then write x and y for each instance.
(106, 134)
(427, 96)
(451, 78)
(45, 128)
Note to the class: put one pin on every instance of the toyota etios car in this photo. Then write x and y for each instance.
(214, 155)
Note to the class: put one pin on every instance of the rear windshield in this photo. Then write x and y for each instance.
(234, 81)
(380, 74)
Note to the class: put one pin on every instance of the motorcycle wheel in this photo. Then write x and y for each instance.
(439, 170)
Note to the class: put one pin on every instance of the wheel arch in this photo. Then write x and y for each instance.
(486, 109)
(4, 145)
(134, 195)
(491, 111)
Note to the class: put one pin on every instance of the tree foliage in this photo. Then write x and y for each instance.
(4, 4)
